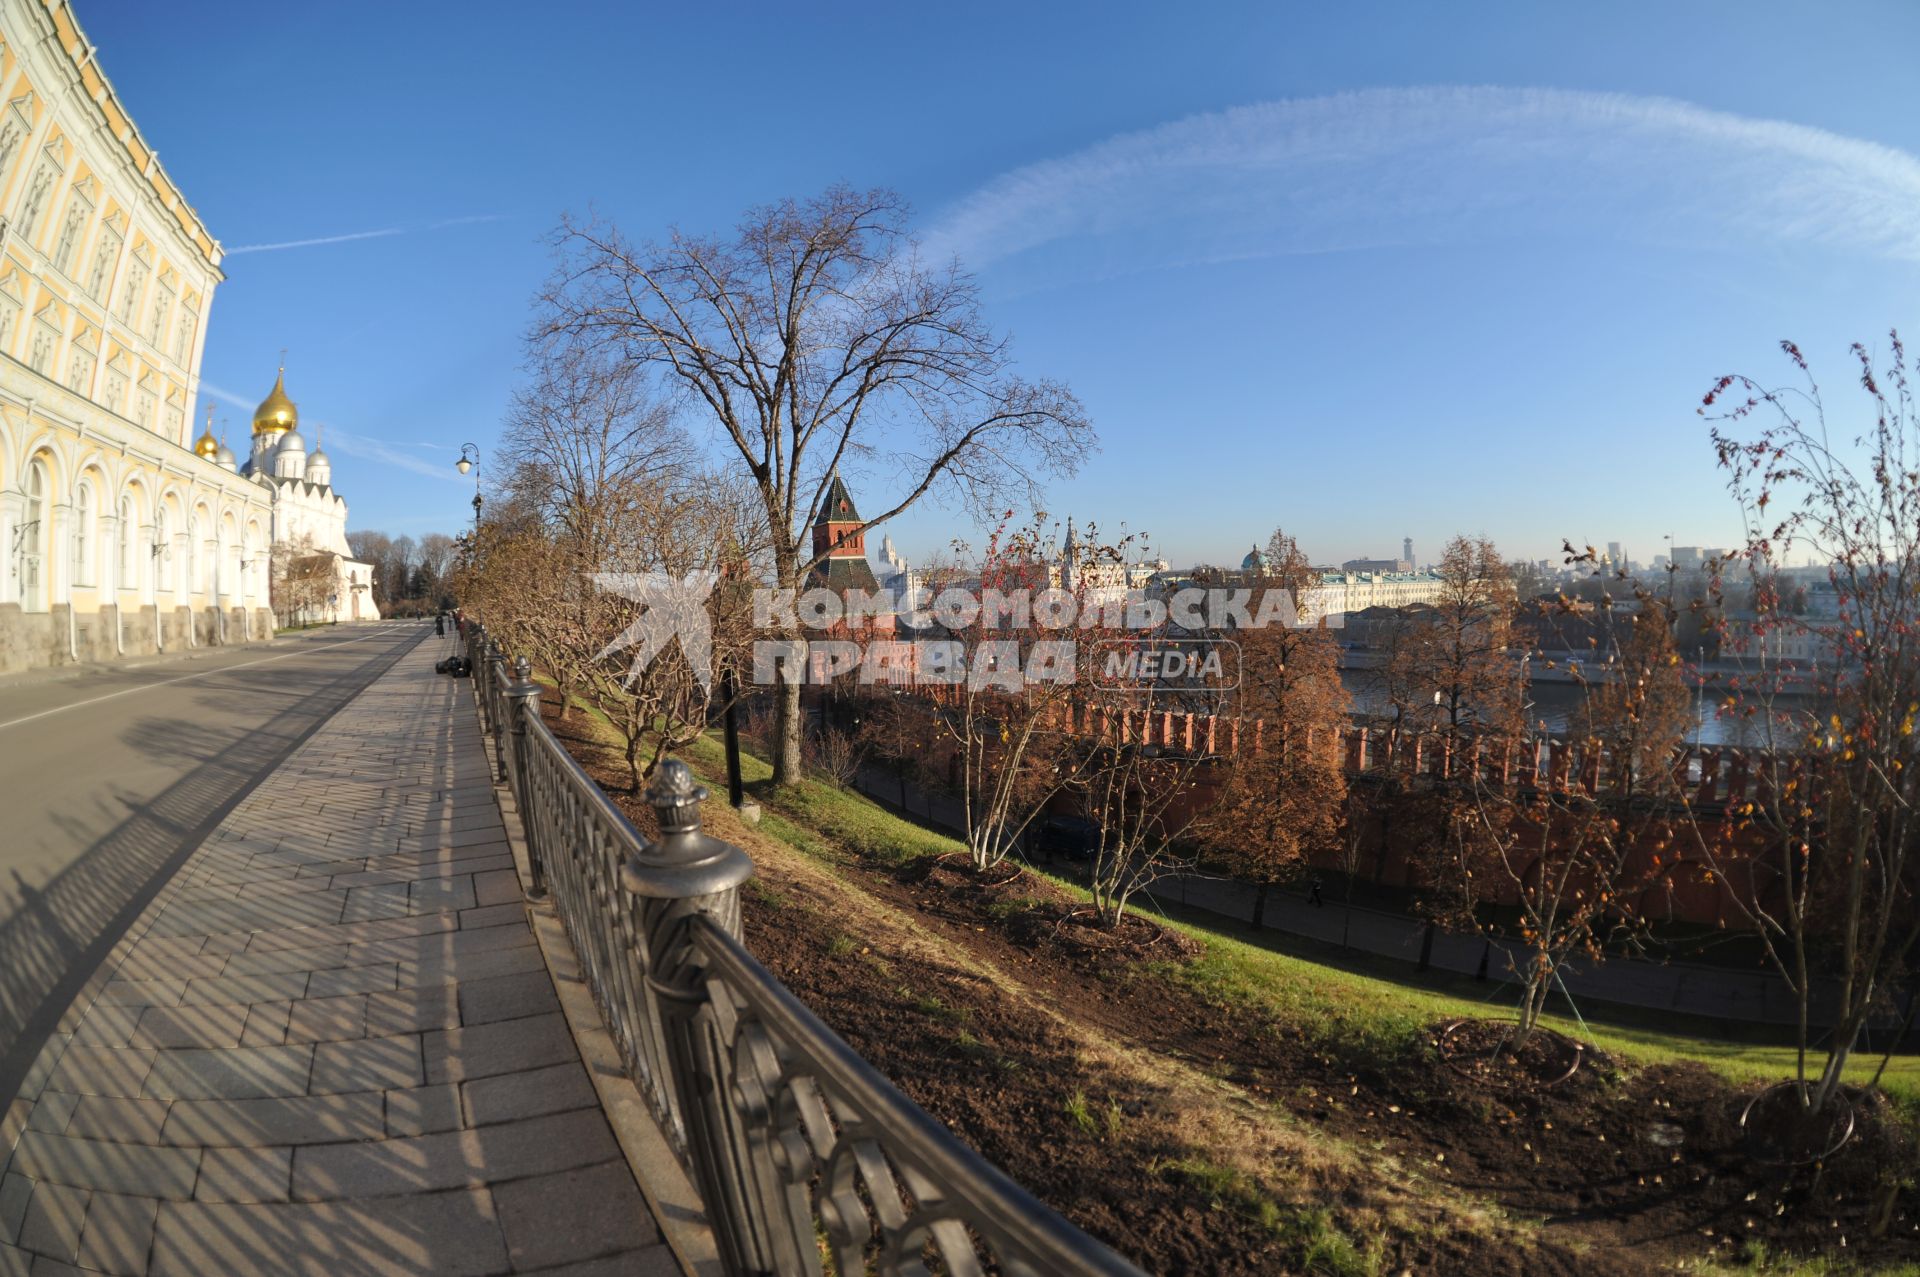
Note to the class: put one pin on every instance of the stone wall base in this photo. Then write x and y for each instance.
(36, 640)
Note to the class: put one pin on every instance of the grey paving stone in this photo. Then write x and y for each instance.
(353, 932)
(431, 1006)
(508, 997)
(443, 893)
(368, 1064)
(377, 978)
(52, 1111)
(300, 1119)
(92, 1070)
(425, 1163)
(369, 904)
(574, 1215)
(493, 916)
(510, 1046)
(328, 1019)
(54, 1219)
(423, 1110)
(170, 968)
(246, 1072)
(499, 887)
(128, 1121)
(449, 1234)
(118, 1234)
(107, 1026)
(657, 1260)
(15, 1262)
(266, 1024)
(273, 961)
(472, 966)
(204, 1026)
(509, 1097)
(142, 993)
(15, 1191)
(107, 1167)
(284, 985)
(245, 1175)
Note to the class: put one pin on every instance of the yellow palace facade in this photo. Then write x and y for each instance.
(119, 539)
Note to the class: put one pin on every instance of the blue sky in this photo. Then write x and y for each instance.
(1364, 271)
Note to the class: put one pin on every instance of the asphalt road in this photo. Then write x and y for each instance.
(109, 779)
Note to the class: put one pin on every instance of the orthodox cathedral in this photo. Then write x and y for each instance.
(318, 578)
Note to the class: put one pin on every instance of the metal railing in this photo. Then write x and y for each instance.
(806, 1159)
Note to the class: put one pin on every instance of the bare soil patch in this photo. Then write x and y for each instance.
(1624, 1171)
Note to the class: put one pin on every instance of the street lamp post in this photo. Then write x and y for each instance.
(469, 462)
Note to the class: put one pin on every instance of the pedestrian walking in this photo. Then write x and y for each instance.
(1313, 893)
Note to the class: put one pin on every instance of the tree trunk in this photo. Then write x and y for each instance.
(786, 731)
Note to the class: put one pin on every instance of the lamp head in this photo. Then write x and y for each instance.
(463, 465)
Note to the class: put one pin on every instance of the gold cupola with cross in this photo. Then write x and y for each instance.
(206, 445)
(276, 414)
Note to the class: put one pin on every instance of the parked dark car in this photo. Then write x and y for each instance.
(1066, 838)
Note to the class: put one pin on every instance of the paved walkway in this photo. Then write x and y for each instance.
(330, 1045)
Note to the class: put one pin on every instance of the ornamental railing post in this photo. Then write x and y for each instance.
(496, 675)
(522, 700)
(682, 876)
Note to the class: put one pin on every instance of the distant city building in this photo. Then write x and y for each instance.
(1349, 592)
(1615, 556)
(1406, 551)
(1100, 582)
(1377, 565)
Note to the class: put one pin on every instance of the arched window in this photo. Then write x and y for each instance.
(125, 555)
(83, 534)
(32, 539)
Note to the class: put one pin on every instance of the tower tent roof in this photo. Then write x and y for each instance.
(837, 506)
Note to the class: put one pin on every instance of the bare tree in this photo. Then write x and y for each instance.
(301, 579)
(1455, 662)
(1011, 745)
(1282, 791)
(808, 336)
(1824, 862)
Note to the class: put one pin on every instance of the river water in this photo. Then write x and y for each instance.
(1556, 704)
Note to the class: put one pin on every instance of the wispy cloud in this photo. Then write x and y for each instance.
(1428, 165)
(444, 223)
(354, 444)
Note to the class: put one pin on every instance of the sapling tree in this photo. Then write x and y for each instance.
(1822, 858)
(1006, 721)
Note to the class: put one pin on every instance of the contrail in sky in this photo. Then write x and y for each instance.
(310, 243)
(350, 237)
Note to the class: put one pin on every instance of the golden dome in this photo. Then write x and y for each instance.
(206, 445)
(276, 413)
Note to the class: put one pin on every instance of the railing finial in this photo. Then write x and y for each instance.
(683, 862)
(676, 797)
